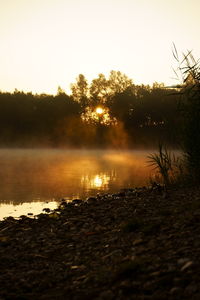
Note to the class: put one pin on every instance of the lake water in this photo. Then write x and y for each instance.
(31, 178)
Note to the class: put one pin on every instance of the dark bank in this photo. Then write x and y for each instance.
(136, 244)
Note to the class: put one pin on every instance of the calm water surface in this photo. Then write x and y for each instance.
(31, 178)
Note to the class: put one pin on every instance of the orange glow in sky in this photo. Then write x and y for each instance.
(46, 43)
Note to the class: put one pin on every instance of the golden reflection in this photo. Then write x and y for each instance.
(96, 181)
(51, 175)
(33, 208)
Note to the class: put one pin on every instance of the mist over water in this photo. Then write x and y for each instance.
(46, 175)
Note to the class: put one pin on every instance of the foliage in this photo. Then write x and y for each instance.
(99, 90)
(189, 70)
(80, 90)
(132, 115)
(30, 120)
(169, 167)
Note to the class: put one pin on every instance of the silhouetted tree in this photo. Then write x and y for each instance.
(99, 90)
(80, 90)
(136, 112)
(119, 82)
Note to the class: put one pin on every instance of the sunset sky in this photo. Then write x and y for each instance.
(46, 43)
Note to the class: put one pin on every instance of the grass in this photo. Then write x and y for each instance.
(189, 70)
(170, 169)
(168, 166)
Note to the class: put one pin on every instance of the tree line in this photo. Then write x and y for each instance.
(130, 116)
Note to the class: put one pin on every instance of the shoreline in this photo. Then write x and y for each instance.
(135, 244)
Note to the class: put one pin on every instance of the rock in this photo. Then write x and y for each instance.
(82, 251)
(47, 210)
(117, 252)
(190, 290)
(157, 273)
(182, 261)
(91, 200)
(137, 242)
(77, 201)
(99, 228)
(63, 204)
(175, 290)
(106, 295)
(121, 194)
(187, 265)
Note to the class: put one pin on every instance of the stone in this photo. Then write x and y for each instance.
(77, 201)
(190, 289)
(187, 265)
(182, 261)
(106, 295)
(175, 290)
(137, 242)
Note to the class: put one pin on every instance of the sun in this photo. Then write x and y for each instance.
(98, 115)
(99, 110)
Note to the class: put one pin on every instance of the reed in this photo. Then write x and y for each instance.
(168, 167)
(171, 169)
(189, 70)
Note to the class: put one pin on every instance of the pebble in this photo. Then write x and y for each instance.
(81, 252)
(77, 201)
(137, 242)
(106, 295)
(91, 200)
(190, 289)
(117, 252)
(187, 265)
(182, 261)
(175, 290)
(47, 210)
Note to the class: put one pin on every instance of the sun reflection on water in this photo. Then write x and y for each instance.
(40, 176)
(96, 181)
(30, 209)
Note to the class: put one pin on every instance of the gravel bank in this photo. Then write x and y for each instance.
(137, 244)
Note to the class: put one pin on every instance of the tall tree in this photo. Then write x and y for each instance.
(80, 90)
(119, 82)
(99, 90)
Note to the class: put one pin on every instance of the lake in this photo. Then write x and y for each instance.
(31, 178)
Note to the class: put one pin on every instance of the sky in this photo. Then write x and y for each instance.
(48, 43)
